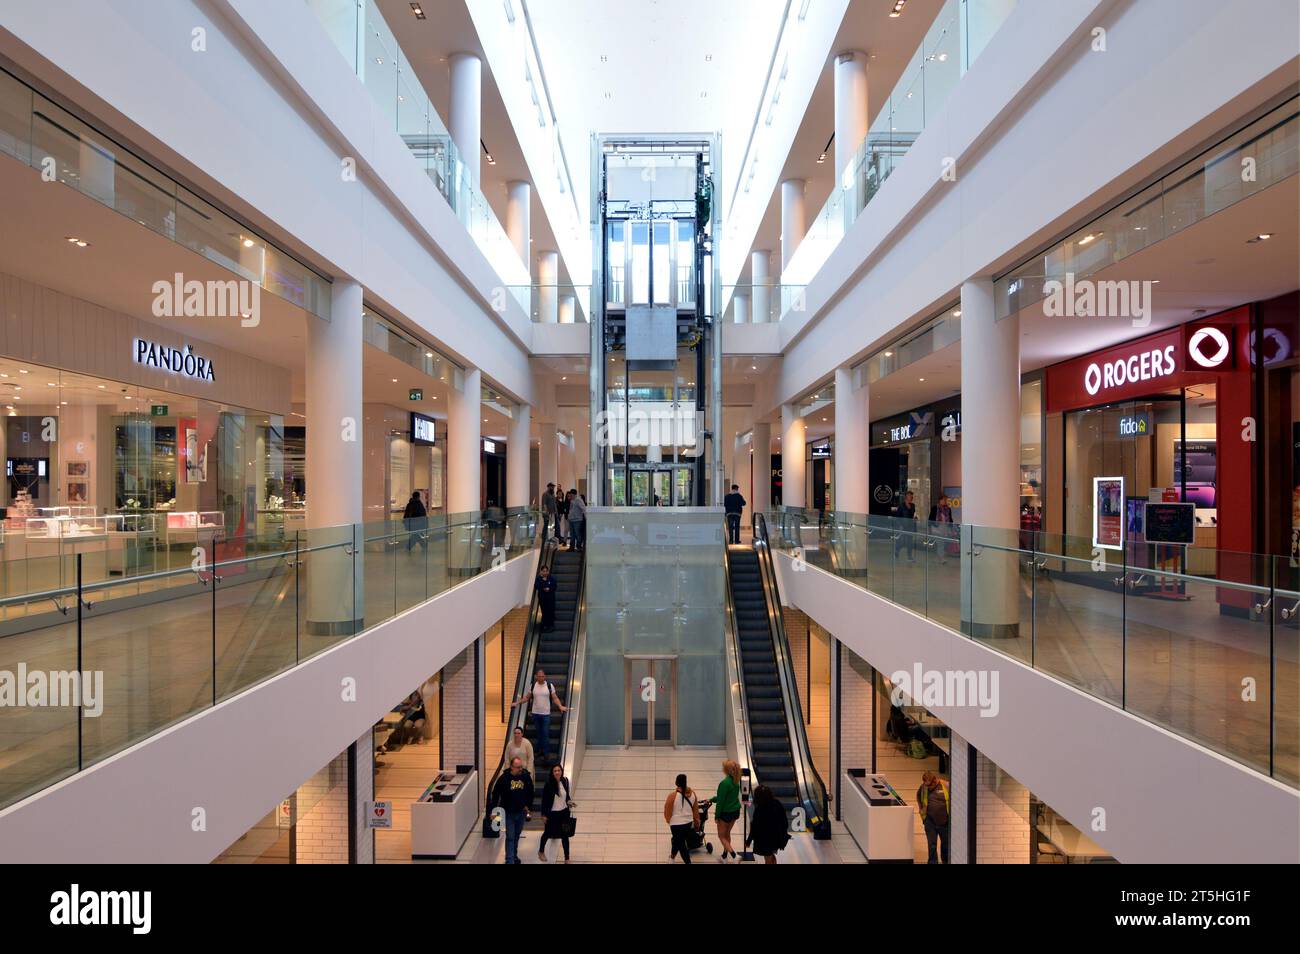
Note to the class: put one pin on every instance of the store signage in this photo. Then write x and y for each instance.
(821, 451)
(884, 494)
(1108, 513)
(158, 410)
(379, 814)
(1135, 425)
(489, 447)
(903, 433)
(1209, 347)
(182, 361)
(1149, 365)
(416, 394)
(423, 429)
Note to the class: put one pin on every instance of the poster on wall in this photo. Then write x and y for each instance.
(194, 452)
(1199, 461)
(1108, 512)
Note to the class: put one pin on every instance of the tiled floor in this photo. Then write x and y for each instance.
(620, 800)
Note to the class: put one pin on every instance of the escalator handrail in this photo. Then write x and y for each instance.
(527, 659)
(573, 692)
(744, 746)
(810, 780)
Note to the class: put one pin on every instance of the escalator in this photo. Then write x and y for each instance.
(553, 653)
(781, 757)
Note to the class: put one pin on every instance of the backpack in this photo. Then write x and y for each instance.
(916, 749)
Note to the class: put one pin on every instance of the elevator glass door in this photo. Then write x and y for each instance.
(651, 693)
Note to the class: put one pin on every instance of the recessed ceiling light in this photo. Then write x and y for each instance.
(564, 377)
(889, 354)
(920, 379)
(394, 380)
(428, 354)
(23, 371)
(418, 11)
(1264, 236)
(103, 387)
(248, 243)
(898, 8)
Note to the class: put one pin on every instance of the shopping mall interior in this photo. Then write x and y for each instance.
(858, 431)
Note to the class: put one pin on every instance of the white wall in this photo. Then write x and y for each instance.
(238, 759)
(1044, 132)
(1166, 799)
(263, 119)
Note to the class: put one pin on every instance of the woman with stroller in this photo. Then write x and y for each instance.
(556, 805)
(682, 813)
(768, 830)
(727, 804)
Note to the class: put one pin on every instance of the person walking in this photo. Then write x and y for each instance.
(941, 512)
(768, 830)
(415, 517)
(562, 522)
(577, 521)
(557, 806)
(518, 747)
(933, 804)
(513, 794)
(540, 697)
(545, 586)
(727, 807)
(682, 813)
(906, 537)
(734, 505)
(550, 514)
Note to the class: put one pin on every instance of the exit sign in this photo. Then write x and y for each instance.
(158, 410)
(417, 394)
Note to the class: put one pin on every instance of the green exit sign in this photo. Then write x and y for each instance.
(417, 394)
(158, 410)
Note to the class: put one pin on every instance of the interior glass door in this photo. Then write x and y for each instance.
(651, 693)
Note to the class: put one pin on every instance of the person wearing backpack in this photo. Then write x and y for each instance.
(540, 697)
(933, 804)
(768, 830)
(682, 813)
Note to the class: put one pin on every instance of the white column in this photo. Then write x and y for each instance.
(464, 444)
(990, 460)
(794, 218)
(519, 217)
(568, 467)
(654, 454)
(759, 276)
(850, 106)
(548, 460)
(740, 308)
(852, 469)
(548, 277)
(465, 115)
(852, 445)
(793, 438)
(762, 445)
(334, 452)
(518, 469)
(568, 309)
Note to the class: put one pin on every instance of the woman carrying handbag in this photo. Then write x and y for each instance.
(557, 806)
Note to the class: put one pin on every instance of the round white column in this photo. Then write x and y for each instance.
(794, 433)
(762, 448)
(990, 462)
(464, 444)
(548, 461)
(759, 277)
(548, 276)
(519, 196)
(568, 309)
(518, 458)
(336, 424)
(740, 308)
(794, 218)
(852, 469)
(465, 115)
(850, 107)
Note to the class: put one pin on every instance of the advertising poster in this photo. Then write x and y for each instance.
(194, 452)
(1108, 512)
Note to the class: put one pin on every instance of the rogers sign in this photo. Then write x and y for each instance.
(1142, 366)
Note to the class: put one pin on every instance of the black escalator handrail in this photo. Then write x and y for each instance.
(527, 658)
(579, 611)
(745, 748)
(811, 784)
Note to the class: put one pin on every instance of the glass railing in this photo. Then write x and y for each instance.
(1202, 642)
(363, 37)
(37, 132)
(955, 39)
(1259, 156)
(158, 642)
(758, 304)
(554, 304)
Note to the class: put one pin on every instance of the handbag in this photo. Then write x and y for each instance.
(568, 827)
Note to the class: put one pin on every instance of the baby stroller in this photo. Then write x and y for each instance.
(696, 840)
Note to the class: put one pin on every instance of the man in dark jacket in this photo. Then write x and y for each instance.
(513, 794)
(416, 519)
(550, 513)
(734, 505)
(906, 510)
(545, 587)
